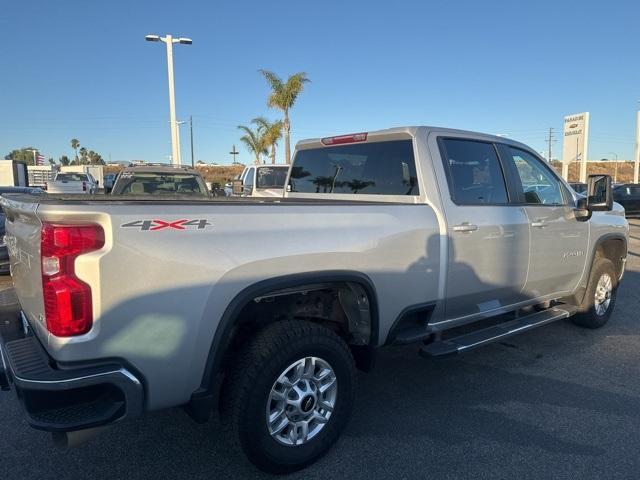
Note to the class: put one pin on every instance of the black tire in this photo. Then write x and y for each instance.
(588, 315)
(246, 391)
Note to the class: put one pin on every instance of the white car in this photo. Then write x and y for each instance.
(262, 181)
(72, 182)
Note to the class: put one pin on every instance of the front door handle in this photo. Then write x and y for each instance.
(465, 227)
(538, 224)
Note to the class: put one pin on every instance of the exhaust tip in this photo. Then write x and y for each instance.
(67, 440)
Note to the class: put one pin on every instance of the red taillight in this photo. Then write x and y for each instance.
(352, 138)
(84, 186)
(67, 299)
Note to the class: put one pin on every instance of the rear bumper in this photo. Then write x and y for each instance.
(63, 399)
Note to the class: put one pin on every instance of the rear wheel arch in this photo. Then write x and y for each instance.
(232, 319)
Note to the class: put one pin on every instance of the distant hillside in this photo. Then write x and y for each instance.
(625, 170)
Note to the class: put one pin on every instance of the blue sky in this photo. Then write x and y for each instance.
(82, 69)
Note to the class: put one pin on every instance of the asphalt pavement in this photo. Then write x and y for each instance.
(557, 402)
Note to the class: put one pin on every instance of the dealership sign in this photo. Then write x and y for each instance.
(575, 143)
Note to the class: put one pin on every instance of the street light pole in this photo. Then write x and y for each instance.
(178, 125)
(175, 136)
(193, 165)
(168, 40)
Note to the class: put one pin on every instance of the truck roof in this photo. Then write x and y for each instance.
(160, 168)
(412, 131)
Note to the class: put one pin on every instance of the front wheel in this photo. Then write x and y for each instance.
(600, 296)
(289, 395)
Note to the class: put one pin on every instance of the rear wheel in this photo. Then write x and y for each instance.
(600, 296)
(289, 395)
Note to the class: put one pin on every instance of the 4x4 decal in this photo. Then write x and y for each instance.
(153, 225)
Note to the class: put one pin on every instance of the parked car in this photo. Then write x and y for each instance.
(262, 181)
(71, 183)
(4, 253)
(628, 195)
(109, 180)
(266, 307)
(160, 179)
(579, 187)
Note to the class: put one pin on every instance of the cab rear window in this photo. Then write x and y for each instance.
(159, 184)
(72, 177)
(377, 168)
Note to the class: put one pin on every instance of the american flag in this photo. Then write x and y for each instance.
(39, 159)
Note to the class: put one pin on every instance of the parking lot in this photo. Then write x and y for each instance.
(558, 402)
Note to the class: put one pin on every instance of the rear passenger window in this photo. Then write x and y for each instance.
(377, 168)
(473, 171)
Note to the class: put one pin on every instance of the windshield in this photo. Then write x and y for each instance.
(150, 183)
(74, 177)
(272, 177)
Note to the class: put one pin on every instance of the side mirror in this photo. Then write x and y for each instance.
(599, 193)
(237, 187)
(582, 212)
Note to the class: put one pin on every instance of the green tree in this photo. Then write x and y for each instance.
(75, 144)
(254, 140)
(283, 96)
(95, 158)
(83, 156)
(25, 155)
(272, 133)
(64, 160)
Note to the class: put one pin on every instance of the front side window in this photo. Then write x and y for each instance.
(539, 185)
(474, 172)
(376, 168)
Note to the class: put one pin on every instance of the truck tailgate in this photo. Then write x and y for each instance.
(65, 186)
(22, 235)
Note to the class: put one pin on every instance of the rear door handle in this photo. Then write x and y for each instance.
(538, 224)
(465, 227)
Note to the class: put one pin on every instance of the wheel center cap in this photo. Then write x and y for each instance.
(307, 403)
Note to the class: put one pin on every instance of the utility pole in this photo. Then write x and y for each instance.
(191, 129)
(636, 163)
(234, 152)
(550, 141)
(175, 134)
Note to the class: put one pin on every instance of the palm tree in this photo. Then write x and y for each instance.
(83, 155)
(75, 143)
(283, 96)
(271, 131)
(254, 141)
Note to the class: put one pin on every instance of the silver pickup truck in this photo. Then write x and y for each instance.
(263, 309)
